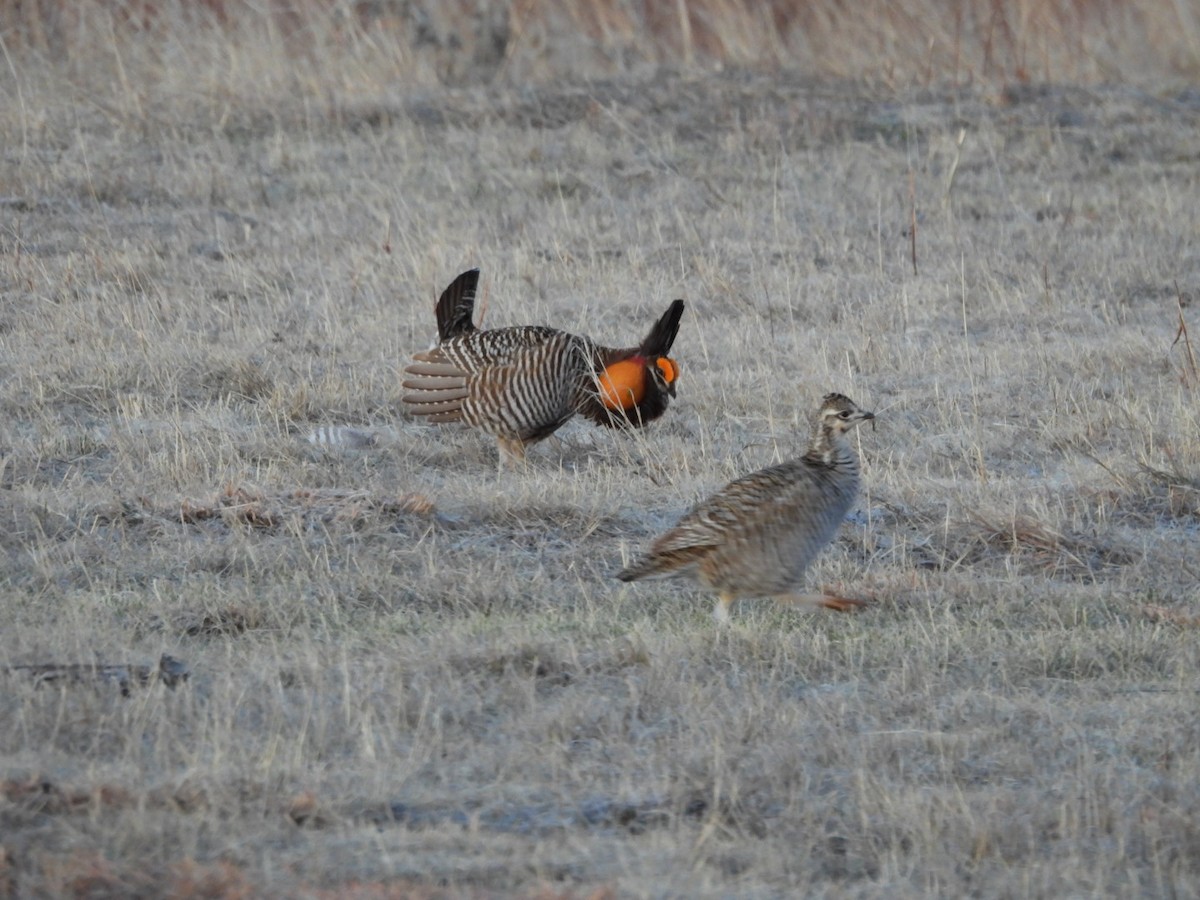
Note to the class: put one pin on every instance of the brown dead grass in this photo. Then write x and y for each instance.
(86, 875)
(248, 506)
(220, 240)
(918, 42)
(1182, 618)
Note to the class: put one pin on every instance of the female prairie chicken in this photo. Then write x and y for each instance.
(523, 383)
(757, 535)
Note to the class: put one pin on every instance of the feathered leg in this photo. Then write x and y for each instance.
(512, 453)
(721, 610)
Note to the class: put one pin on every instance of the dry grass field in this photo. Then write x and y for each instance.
(413, 676)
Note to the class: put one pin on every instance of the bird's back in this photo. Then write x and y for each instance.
(475, 351)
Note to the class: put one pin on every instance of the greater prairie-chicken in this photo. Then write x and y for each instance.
(756, 536)
(521, 384)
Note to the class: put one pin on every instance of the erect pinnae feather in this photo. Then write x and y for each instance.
(456, 306)
(658, 342)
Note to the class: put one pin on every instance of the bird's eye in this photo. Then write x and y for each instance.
(844, 414)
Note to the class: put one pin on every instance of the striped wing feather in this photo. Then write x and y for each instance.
(514, 382)
(531, 397)
(772, 498)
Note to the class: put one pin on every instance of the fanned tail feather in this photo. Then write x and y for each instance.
(454, 388)
(436, 389)
(643, 568)
(446, 401)
(432, 368)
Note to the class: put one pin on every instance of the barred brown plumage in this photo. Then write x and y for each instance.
(521, 384)
(756, 536)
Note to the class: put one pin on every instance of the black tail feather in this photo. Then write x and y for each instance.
(456, 306)
(658, 342)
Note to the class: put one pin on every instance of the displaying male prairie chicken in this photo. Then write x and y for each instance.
(757, 535)
(521, 384)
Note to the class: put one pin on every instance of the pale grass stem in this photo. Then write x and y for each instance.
(1190, 372)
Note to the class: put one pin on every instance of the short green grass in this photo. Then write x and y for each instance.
(415, 676)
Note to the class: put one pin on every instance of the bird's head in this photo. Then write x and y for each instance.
(839, 414)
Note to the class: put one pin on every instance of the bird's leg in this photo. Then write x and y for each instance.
(512, 452)
(721, 610)
(820, 601)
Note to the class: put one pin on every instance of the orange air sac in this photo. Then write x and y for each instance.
(623, 384)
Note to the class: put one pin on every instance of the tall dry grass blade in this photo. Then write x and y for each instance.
(912, 218)
(1182, 334)
(952, 172)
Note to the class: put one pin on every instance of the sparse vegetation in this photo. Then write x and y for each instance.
(222, 230)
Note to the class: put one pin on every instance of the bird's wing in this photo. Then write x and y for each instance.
(742, 505)
(516, 382)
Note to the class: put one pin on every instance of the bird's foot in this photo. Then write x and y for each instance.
(822, 601)
(842, 604)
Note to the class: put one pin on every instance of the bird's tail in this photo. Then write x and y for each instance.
(436, 388)
(657, 565)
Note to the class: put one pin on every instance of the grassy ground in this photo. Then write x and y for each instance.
(413, 676)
